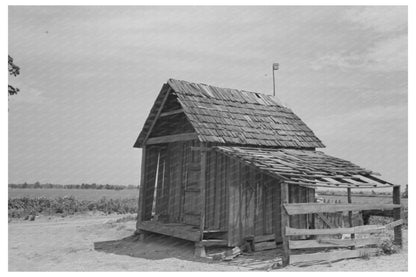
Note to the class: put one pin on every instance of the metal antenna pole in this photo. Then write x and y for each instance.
(274, 86)
(274, 67)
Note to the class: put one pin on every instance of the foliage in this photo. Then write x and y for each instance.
(405, 194)
(29, 207)
(388, 247)
(14, 70)
(38, 185)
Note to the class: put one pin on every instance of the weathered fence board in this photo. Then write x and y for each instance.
(336, 231)
(332, 243)
(333, 256)
(309, 208)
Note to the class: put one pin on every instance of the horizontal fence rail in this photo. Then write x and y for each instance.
(336, 231)
(310, 208)
(333, 256)
(333, 243)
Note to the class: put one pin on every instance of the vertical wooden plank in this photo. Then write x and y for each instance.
(149, 183)
(250, 201)
(268, 205)
(223, 193)
(240, 201)
(256, 202)
(260, 205)
(350, 213)
(217, 193)
(227, 201)
(396, 215)
(277, 210)
(233, 206)
(160, 183)
(202, 189)
(140, 206)
(284, 189)
(208, 190)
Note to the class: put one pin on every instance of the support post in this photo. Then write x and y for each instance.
(396, 215)
(284, 223)
(350, 213)
(202, 189)
(140, 206)
(200, 250)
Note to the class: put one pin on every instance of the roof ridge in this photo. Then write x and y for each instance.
(268, 98)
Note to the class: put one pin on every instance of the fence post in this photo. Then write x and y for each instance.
(284, 223)
(397, 216)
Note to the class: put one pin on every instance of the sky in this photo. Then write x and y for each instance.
(89, 76)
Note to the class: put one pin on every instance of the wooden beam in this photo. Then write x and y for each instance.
(309, 208)
(326, 220)
(197, 148)
(171, 112)
(357, 229)
(397, 216)
(182, 231)
(284, 224)
(333, 255)
(140, 206)
(264, 238)
(213, 242)
(349, 199)
(332, 243)
(172, 138)
(202, 189)
(265, 245)
(333, 185)
(156, 116)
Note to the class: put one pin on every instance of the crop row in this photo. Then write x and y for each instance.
(25, 207)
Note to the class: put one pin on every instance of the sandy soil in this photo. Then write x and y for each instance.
(105, 243)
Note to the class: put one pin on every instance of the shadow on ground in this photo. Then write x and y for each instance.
(157, 247)
(154, 247)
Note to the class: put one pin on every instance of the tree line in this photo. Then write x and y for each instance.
(38, 185)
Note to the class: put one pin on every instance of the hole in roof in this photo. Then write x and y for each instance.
(258, 96)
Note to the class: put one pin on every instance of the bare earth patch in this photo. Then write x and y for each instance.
(105, 243)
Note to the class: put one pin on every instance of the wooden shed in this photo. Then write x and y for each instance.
(218, 166)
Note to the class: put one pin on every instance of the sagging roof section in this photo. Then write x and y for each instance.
(306, 167)
(238, 117)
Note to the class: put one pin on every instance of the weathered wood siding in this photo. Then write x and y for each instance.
(252, 200)
(239, 198)
(150, 166)
(178, 174)
(254, 203)
(216, 191)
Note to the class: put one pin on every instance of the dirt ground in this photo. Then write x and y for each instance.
(105, 243)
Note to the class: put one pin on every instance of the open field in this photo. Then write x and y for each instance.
(105, 243)
(92, 241)
(79, 194)
(94, 194)
(383, 199)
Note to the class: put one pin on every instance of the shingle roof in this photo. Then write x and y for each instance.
(238, 117)
(306, 167)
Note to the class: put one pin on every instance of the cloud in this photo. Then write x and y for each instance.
(354, 120)
(380, 18)
(384, 56)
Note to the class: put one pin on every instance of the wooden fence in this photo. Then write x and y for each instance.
(329, 220)
(327, 236)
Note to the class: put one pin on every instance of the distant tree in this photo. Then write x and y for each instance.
(14, 70)
(36, 185)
